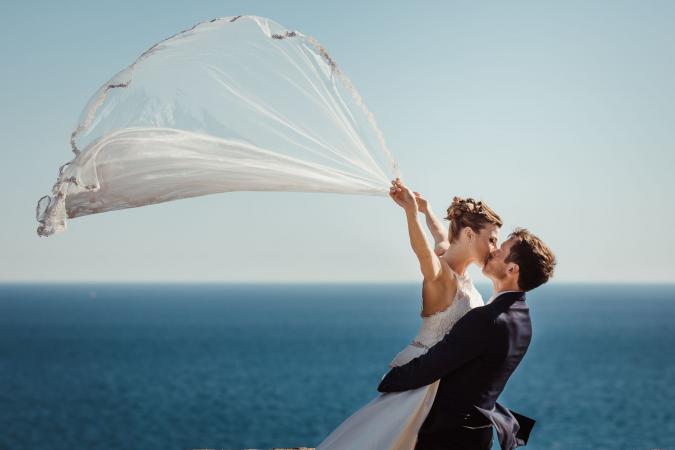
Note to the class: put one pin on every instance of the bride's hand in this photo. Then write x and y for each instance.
(403, 196)
(422, 203)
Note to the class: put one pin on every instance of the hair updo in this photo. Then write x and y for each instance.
(470, 213)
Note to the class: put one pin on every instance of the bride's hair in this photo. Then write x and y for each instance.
(469, 213)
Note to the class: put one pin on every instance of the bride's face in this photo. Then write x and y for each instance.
(484, 243)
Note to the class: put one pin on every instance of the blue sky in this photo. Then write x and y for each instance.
(558, 114)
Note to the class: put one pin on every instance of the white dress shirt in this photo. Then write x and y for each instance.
(497, 294)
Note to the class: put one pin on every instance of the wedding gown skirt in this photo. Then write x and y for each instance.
(390, 421)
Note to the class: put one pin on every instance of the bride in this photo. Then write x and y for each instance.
(391, 421)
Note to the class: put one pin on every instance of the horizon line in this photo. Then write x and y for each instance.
(300, 282)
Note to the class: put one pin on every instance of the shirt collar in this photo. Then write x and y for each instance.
(497, 294)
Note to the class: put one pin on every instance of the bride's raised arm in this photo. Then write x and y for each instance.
(429, 262)
(438, 231)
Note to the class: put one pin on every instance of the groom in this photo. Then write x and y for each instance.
(476, 358)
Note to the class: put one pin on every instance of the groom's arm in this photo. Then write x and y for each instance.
(465, 341)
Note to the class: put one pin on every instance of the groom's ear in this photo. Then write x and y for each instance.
(513, 269)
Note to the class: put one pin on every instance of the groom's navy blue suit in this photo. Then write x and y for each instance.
(473, 361)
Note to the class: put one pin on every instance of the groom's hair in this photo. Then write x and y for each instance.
(467, 212)
(535, 260)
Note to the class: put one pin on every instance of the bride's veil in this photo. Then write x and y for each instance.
(235, 103)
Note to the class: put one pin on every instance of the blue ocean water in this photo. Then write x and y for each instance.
(259, 366)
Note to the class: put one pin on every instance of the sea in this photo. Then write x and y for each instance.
(234, 366)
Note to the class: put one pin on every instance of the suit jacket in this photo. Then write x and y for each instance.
(473, 361)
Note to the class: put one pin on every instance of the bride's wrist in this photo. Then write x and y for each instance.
(412, 212)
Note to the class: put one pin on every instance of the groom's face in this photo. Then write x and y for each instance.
(496, 267)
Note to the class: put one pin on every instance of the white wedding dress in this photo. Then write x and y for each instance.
(391, 421)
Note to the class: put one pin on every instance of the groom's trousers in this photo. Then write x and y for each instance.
(471, 432)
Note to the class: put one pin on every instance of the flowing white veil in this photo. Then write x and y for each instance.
(233, 104)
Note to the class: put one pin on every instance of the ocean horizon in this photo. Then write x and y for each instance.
(261, 365)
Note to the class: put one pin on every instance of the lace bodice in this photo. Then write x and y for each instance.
(437, 325)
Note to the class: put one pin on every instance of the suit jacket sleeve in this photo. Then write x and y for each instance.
(465, 341)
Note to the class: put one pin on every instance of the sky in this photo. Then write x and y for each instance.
(557, 114)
